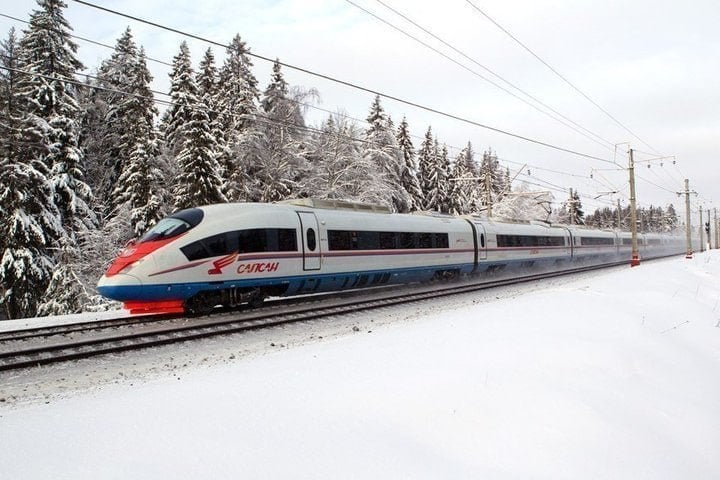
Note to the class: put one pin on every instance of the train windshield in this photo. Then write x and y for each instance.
(173, 225)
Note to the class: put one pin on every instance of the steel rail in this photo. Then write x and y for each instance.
(203, 327)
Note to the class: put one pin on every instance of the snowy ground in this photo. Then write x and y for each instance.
(613, 375)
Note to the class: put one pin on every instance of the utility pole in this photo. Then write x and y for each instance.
(702, 227)
(717, 232)
(688, 228)
(635, 259)
(619, 215)
(707, 226)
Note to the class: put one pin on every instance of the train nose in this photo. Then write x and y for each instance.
(120, 287)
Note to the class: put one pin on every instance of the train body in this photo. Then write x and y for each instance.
(229, 254)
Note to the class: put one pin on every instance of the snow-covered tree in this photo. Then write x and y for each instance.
(47, 209)
(491, 174)
(238, 98)
(197, 181)
(275, 150)
(49, 54)
(571, 210)
(670, 219)
(30, 227)
(441, 179)
(106, 120)
(409, 173)
(184, 96)
(524, 204)
(141, 182)
(463, 180)
(381, 148)
(338, 169)
(11, 106)
(426, 168)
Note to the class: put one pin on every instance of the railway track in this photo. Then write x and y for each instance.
(46, 345)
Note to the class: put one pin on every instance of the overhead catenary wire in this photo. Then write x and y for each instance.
(84, 39)
(562, 120)
(352, 85)
(272, 121)
(561, 76)
(296, 126)
(259, 117)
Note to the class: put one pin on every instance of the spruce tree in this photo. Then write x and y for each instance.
(30, 225)
(238, 98)
(441, 178)
(197, 182)
(11, 107)
(463, 185)
(275, 149)
(426, 169)
(108, 118)
(409, 168)
(52, 120)
(141, 182)
(381, 149)
(184, 96)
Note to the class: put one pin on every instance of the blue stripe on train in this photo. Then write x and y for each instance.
(309, 282)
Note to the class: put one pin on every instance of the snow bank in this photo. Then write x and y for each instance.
(615, 375)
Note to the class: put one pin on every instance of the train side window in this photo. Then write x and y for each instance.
(311, 241)
(407, 240)
(217, 245)
(194, 251)
(339, 240)
(425, 240)
(368, 240)
(440, 240)
(287, 239)
(482, 240)
(387, 240)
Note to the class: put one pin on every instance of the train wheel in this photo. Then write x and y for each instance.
(198, 305)
(257, 299)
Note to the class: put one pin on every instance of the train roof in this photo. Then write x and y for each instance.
(332, 204)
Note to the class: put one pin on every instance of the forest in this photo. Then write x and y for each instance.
(89, 162)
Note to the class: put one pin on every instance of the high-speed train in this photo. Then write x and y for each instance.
(229, 254)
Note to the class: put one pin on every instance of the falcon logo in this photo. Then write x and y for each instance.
(221, 263)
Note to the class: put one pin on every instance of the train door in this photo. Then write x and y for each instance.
(482, 241)
(310, 240)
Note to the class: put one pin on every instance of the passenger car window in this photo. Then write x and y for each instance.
(311, 243)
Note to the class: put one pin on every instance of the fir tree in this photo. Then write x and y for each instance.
(491, 174)
(141, 182)
(441, 178)
(107, 120)
(381, 148)
(409, 173)
(52, 120)
(237, 104)
(274, 150)
(426, 169)
(30, 227)
(197, 182)
(571, 210)
(184, 96)
(11, 107)
(464, 185)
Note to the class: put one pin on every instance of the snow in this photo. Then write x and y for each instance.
(23, 323)
(606, 375)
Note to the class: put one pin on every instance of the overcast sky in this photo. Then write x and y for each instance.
(652, 64)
